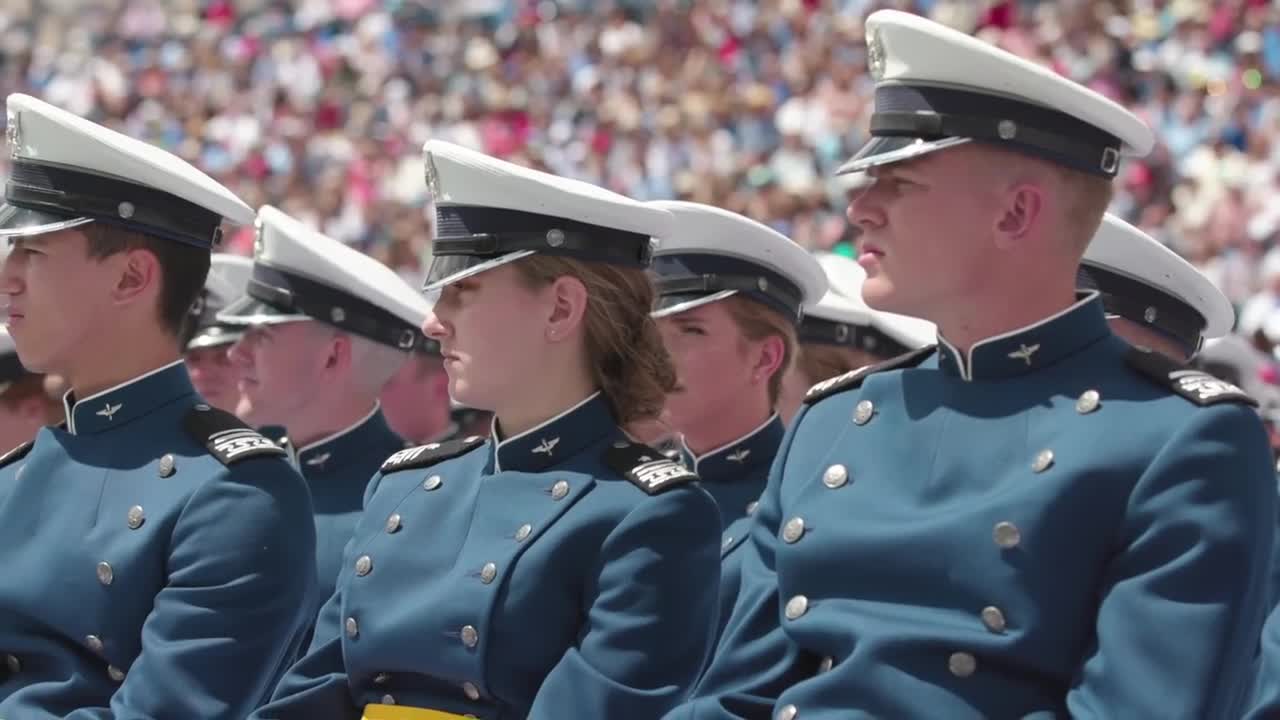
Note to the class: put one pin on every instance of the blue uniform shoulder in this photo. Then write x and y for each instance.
(1197, 386)
(429, 454)
(854, 378)
(226, 437)
(645, 467)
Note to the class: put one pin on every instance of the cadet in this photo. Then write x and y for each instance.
(208, 341)
(730, 293)
(156, 538)
(1153, 298)
(25, 406)
(326, 327)
(558, 568)
(840, 333)
(1032, 518)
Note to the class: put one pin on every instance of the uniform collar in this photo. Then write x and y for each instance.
(116, 406)
(1029, 348)
(335, 449)
(728, 461)
(561, 437)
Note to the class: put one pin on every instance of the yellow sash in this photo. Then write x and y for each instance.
(400, 712)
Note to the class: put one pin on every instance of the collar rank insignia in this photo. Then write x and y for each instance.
(740, 456)
(547, 446)
(320, 459)
(430, 454)
(1025, 352)
(227, 437)
(109, 410)
(646, 468)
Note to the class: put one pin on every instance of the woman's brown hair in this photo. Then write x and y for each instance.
(819, 362)
(757, 322)
(624, 350)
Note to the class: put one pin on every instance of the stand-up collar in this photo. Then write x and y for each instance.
(116, 406)
(561, 437)
(1029, 348)
(728, 461)
(335, 449)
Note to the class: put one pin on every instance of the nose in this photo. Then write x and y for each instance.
(434, 326)
(239, 354)
(866, 211)
(10, 275)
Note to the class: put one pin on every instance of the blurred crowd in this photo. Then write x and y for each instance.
(321, 106)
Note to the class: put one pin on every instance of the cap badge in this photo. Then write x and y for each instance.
(875, 55)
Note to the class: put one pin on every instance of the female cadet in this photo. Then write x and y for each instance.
(841, 334)
(558, 569)
(730, 292)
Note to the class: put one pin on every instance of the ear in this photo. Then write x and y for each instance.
(1023, 210)
(138, 275)
(769, 357)
(568, 306)
(339, 356)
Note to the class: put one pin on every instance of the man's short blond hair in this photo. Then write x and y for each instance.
(1085, 200)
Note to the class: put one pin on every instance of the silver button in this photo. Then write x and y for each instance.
(364, 564)
(93, 642)
(993, 618)
(470, 690)
(393, 522)
(105, 573)
(962, 664)
(1088, 401)
(1007, 535)
(1150, 314)
(125, 209)
(167, 466)
(793, 530)
(797, 606)
(751, 507)
(470, 637)
(432, 483)
(1006, 129)
(788, 712)
(827, 663)
(13, 663)
(352, 627)
(388, 699)
(337, 314)
(488, 573)
(1044, 459)
(835, 476)
(524, 532)
(136, 517)
(559, 490)
(115, 673)
(863, 412)
(381, 678)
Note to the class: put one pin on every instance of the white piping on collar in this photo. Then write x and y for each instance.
(377, 405)
(69, 408)
(493, 428)
(699, 458)
(966, 367)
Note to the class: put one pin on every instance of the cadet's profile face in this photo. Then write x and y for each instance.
(713, 365)
(59, 299)
(923, 223)
(491, 329)
(279, 369)
(214, 377)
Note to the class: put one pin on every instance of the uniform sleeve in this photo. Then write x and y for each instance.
(231, 614)
(317, 687)
(651, 613)
(1183, 599)
(755, 660)
(1266, 699)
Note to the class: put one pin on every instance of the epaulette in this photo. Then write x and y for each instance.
(1197, 386)
(647, 468)
(226, 436)
(854, 378)
(17, 453)
(430, 454)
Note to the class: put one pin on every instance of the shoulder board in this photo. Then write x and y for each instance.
(646, 468)
(16, 454)
(1198, 386)
(226, 436)
(854, 378)
(430, 454)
